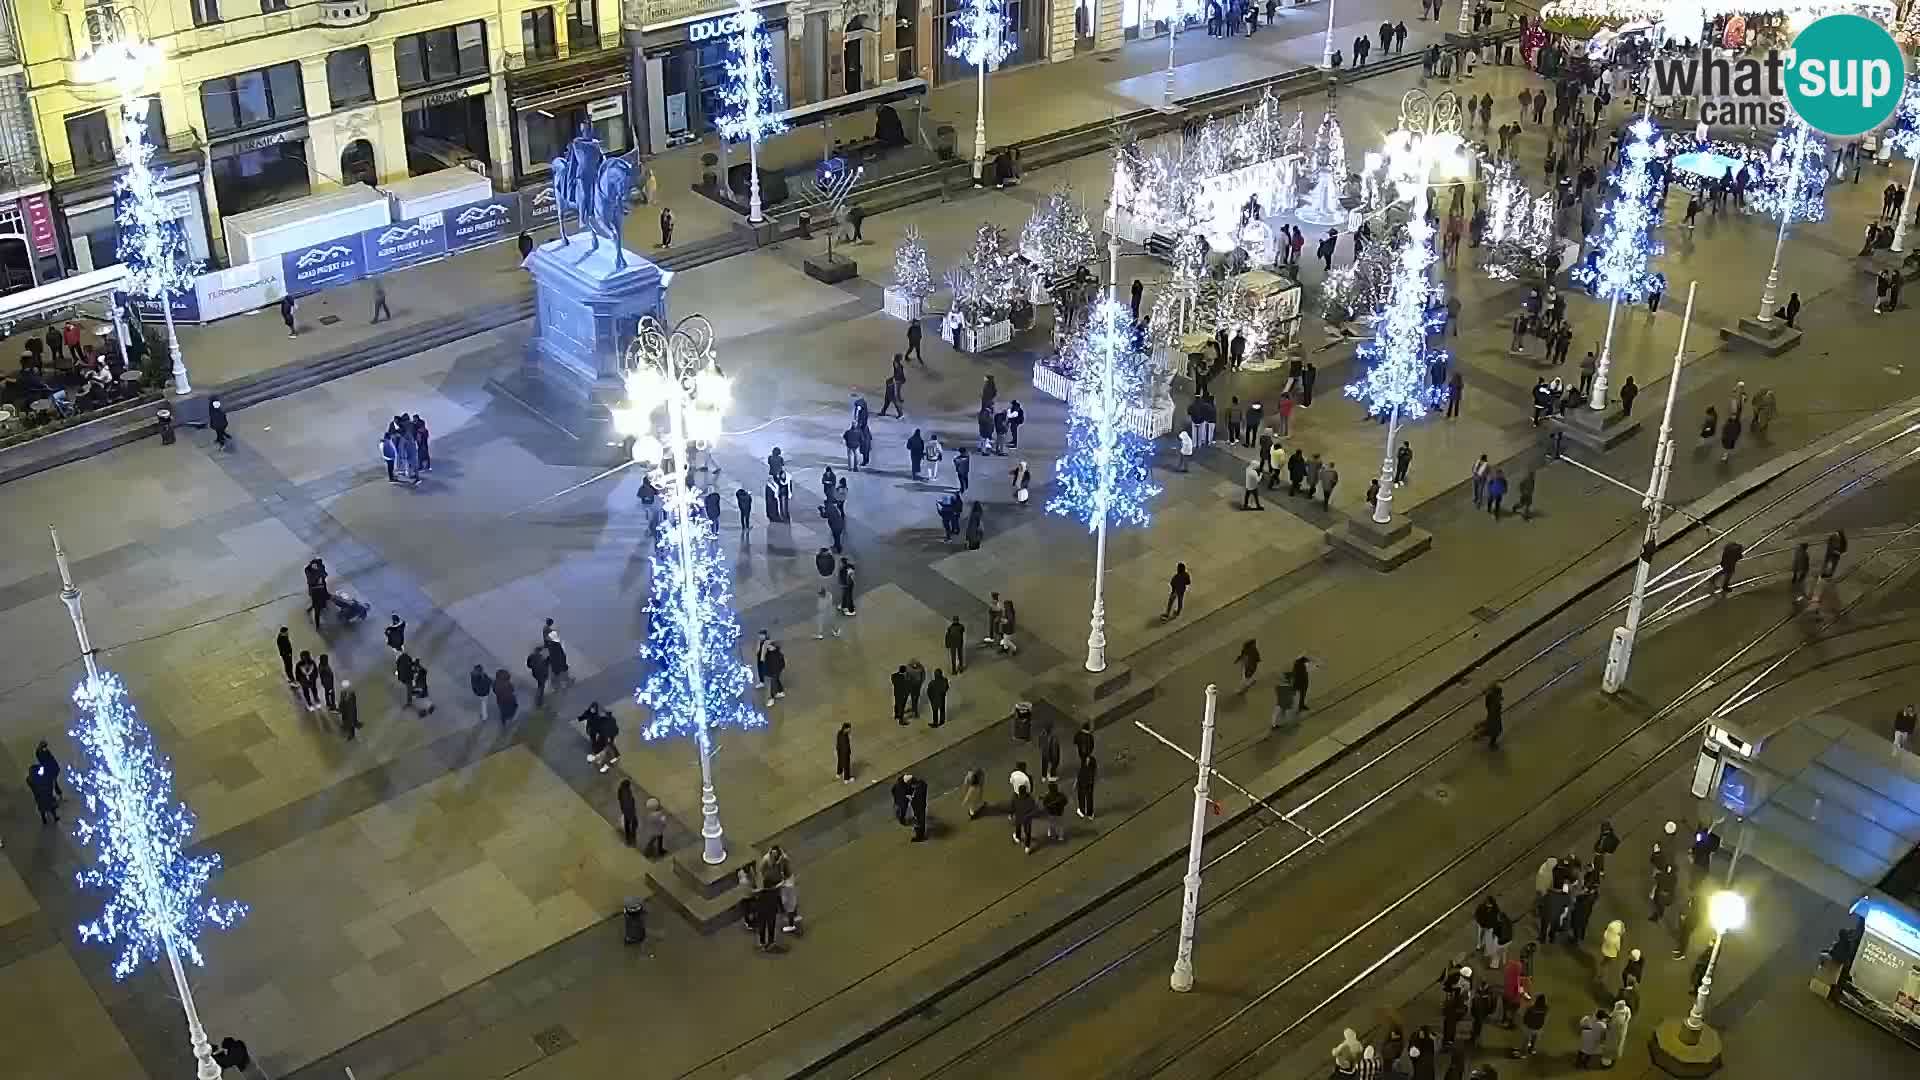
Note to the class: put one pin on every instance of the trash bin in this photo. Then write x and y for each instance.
(1023, 720)
(806, 225)
(165, 416)
(634, 921)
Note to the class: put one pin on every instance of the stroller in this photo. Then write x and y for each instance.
(351, 610)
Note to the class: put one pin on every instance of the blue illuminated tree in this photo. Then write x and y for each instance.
(156, 902)
(1794, 186)
(1904, 134)
(1103, 477)
(1398, 383)
(1621, 271)
(751, 97)
(697, 681)
(980, 38)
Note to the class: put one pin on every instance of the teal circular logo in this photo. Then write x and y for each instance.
(1846, 75)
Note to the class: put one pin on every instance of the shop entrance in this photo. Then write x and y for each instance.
(356, 164)
(445, 134)
(16, 263)
(262, 176)
(855, 53)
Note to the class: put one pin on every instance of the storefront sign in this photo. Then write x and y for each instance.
(445, 97)
(606, 107)
(236, 147)
(247, 287)
(668, 12)
(322, 266)
(404, 243)
(38, 213)
(709, 29)
(186, 307)
(539, 206)
(482, 222)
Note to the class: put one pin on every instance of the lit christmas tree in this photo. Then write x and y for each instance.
(1327, 163)
(696, 682)
(752, 97)
(1904, 135)
(156, 900)
(1103, 477)
(1058, 239)
(1329, 156)
(1626, 247)
(1398, 382)
(1795, 185)
(910, 273)
(1520, 242)
(985, 286)
(1361, 288)
(151, 244)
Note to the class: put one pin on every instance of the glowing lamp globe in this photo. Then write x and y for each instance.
(1727, 911)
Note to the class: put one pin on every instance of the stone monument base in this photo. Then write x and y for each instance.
(1772, 338)
(830, 269)
(1383, 547)
(1598, 429)
(585, 313)
(1675, 1056)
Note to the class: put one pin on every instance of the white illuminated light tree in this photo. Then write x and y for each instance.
(1103, 478)
(696, 682)
(156, 894)
(1905, 136)
(1520, 242)
(752, 96)
(1397, 384)
(1058, 238)
(1794, 189)
(980, 38)
(1626, 242)
(1175, 14)
(910, 273)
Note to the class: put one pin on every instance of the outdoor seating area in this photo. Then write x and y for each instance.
(65, 370)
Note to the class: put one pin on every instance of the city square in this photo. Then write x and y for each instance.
(436, 883)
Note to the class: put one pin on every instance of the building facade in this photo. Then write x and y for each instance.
(260, 102)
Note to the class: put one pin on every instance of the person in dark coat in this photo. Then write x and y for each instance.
(901, 689)
(538, 668)
(417, 689)
(843, 753)
(503, 696)
(976, 527)
(937, 698)
(40, 782)
(744, 501)
(349, 710)
(902, 792)
(917, 804)
(307, 674)
(956, 641)
(1301, 669)
(1492, 726)
(846, 587)
(482, 686)
(43, 757)
(284, 643)
(629, 813)
(1083, 785)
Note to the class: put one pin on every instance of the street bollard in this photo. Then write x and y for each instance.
(165, 417)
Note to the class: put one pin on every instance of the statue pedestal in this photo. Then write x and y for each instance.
(585, 313)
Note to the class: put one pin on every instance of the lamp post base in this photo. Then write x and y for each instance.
(1770, 338)
(1598, 429)
(1382, 547)
(1672, 1051)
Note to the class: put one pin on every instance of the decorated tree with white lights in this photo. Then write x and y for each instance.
(1794, 187)
(1397, 384)
(980, 39)
(696, 682)
(1360, 288)
(1103, 477)
(1621, 270)
(1904, 135)
(911, 275)
(1058, 238)
(1520, 242)
(752, 96)
(984, 287)
(151, 244)
(1327, 164)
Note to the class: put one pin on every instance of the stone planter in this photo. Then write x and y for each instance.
(902, 306)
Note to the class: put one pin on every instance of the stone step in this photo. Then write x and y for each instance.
(706, 911)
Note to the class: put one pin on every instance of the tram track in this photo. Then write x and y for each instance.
(1068, 956)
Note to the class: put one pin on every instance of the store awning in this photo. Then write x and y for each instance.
(64, 293)
(847, 104)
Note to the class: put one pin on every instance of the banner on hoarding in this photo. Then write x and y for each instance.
(322, 266)
(539, 207)
(404, 243)
(243, 288)
(186, 307)
(483, 222)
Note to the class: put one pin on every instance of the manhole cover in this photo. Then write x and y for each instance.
(553, 1040)
(1440, 793)
(329, 320)
(1485, 614)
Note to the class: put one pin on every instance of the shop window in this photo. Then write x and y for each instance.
(451, 52)
(89, 140)
(156, 123)
(905, 37)
(583, 25)
(251, 98)
(536, 34)
(268, 7)
(349, 76)
(205, 12)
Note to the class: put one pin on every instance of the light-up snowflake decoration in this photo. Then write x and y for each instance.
(696, 682)
(1795, 183)
(980, 35)
(151, 244)
(155, 892)
(752, 97)
(1398, 379)
(1621, 272)
(1103, 477)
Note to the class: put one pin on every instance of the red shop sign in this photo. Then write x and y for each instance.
(39, 214)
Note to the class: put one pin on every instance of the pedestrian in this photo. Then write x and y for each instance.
(349, 710)
(776, 661)
(629, 812)
(1628, 391)
(846, 587)
(380, 308)
(666, 227)
(962, 464)
(1177, 587)
(525, 244)
(656, 830)
(284, 643)
(1083, 741)
(1525, 506)
(1373, 494)
(1482, 472)
(913, 343)
(1186, 450)
(396, 633)
(1903, 724)
(916, 452)
(1049, 743)
(744, 501)
(1534, 1020)
(1283, 702)
(307, 674)
(1493, 725)
(1329, 477)
(417, 691)
(1249, 661)
(1402, 462)
(1618, 1020)
(1729, 562)
(482, 688)
(1024, 810)
(1496, 492)
(1083, 785)
(537, 667)
(324, 673)
(1455, 387)
(900, 689)
(976, 528)
(973, 795)
(1593, 1039)
(46, 770)
(956, 642)
(1135, 293)
(1250, 487)
(503, 696)
(286, 315)
(937, 698)
(1836, 547)
(917, 807)
(1729, 436)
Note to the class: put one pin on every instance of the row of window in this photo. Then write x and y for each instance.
(580, 17)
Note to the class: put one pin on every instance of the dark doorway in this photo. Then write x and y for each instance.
(356, 164)
(854, 53)
(16, 264)
(446, 135)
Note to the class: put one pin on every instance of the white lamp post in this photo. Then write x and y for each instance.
(152, 885)
(1620, 649)
(980, 38)
(753, 97)
(1326, 47)
(1182, 978)
(1174, 13)
(674, 369)
(1726, 911)
(1790, 189)
(1621, 269)
(1905, 137)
